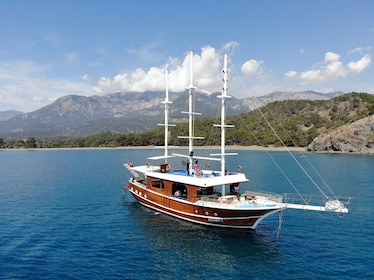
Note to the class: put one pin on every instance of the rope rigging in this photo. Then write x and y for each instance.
(258, 109)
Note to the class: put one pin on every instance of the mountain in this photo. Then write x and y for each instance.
(72, 115)
(6, 115)
(306, 95)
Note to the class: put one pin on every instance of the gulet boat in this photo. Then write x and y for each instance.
(204, 196)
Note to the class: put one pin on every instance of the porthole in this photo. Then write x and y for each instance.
(207, 213)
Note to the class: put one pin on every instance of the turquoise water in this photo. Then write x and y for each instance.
(64, 215)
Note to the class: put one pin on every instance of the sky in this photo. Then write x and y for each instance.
(50, 49)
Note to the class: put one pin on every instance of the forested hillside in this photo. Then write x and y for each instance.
(296, 122)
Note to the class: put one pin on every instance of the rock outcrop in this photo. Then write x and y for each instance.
(357, 137)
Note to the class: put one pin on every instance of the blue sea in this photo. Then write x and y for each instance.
(64, 215)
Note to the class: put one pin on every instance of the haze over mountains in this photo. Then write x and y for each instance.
(73, 116)
(6, 115)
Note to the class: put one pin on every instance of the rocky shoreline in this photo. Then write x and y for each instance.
(357, 137)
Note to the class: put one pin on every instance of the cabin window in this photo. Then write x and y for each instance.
(159, 184)
(181, 188)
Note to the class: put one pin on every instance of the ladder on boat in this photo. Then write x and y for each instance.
(132, 171)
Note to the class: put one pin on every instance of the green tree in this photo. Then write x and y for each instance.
(30, 143)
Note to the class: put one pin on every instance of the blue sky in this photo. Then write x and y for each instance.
(50, 49)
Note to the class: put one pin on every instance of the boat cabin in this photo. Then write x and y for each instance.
(180, 184)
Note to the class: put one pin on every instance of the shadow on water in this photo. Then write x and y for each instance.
(222, 252)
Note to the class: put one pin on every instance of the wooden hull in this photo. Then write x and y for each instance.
(210, 215)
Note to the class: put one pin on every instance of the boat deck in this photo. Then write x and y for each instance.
(205, 178)
(204, 173)
(244, 201)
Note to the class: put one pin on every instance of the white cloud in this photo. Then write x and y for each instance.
(325, 89)
(334, 70)
(38, 98)
(230, 47)
(331, 68)
(360, 65)
(207, 74)
(291, 74)
(206, 70)
(23, 86)
(359, 50)
(251, 67)
(331, 57)
(16, 70)
(85, 77)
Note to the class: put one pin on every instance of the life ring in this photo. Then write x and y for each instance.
(167, 168)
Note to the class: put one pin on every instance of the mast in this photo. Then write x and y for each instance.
(166, 124)
(224, 96)
(191, 94)
(166, 102)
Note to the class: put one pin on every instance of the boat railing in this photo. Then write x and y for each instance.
(309, 199)
(209, 198)
(268, 195)
(248, 196)
(228, 200)
(264, 198)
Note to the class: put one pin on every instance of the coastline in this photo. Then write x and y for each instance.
(235, 147)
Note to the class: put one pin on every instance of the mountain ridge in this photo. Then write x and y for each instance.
(75, 116)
